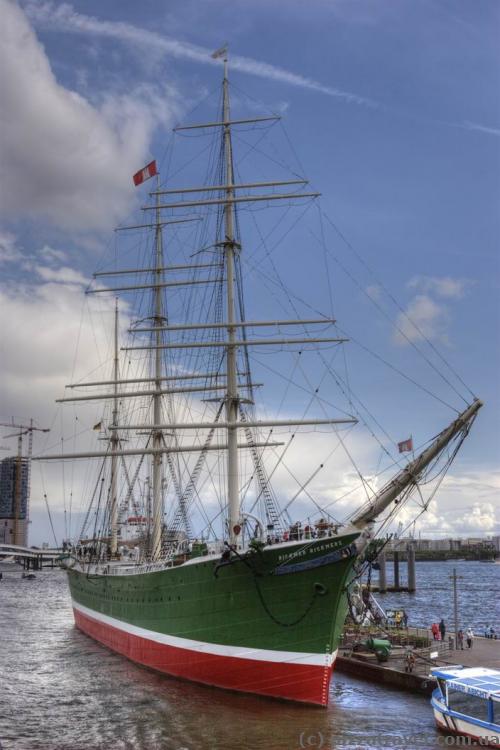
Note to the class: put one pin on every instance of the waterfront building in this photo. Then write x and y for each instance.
(495, 541)
(440, 545)
(14, 495)
(475, 546)
(423, 545)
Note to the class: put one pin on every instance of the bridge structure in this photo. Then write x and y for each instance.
(32, 558)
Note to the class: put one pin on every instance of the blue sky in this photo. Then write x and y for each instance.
(392, 108)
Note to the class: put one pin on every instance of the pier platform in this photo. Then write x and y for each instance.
(485, 652)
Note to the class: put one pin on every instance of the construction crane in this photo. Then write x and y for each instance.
(20, 530)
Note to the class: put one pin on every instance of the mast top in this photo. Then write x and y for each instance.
(222, 52)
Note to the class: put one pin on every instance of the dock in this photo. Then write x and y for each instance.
(485, 652)
(31, 558)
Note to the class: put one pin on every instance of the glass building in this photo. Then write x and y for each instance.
(8, 486)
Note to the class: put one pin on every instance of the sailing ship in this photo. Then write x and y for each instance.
(259, 608)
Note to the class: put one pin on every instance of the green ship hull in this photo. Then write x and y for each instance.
(267, 622)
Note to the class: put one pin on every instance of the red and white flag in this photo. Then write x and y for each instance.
(406, 445)
(145, 173)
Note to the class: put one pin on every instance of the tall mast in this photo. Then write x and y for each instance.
(157, 411)
(232, 400)
(114, 444)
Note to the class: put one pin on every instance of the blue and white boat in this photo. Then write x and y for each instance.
(467, 702)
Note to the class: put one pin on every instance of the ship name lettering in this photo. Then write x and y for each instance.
(301, 553)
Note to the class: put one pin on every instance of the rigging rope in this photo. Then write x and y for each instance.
(403, 312)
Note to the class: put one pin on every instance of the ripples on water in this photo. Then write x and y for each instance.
(478, 594)
(61, 691)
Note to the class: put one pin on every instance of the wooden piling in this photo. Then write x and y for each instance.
(412, 579)
(396, 570)
(382, 573)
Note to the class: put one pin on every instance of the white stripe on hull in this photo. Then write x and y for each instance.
(239, 652)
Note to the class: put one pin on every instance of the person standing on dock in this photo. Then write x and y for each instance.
(460, 640)
(470, 637)
(435, 631)
(409, 661)
(442, 629)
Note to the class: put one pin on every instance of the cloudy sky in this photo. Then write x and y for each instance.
(394, 114)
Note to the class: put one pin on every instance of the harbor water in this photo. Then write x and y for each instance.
(61, 691)
(478, 593)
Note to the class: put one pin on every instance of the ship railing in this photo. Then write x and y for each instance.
(183, 548)
(128, 570)
(303, 534)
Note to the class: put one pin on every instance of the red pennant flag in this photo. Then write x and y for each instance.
(144, 174)
(406, 445)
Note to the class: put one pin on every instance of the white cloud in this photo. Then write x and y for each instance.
(9, 251)
(428, 314)
(41, 262)
(62, 275)
(50, 254)
(481, 517)
(41, 347)
(466, 504)
(54, 340)
(446, 286)
(423, 318)
(442, 519)
(64, 18)
(480, 128)
(63, 159)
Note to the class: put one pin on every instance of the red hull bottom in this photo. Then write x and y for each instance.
(294, 682)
